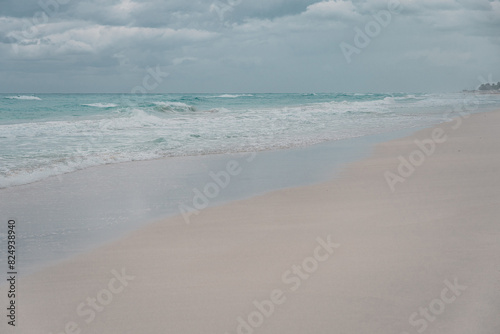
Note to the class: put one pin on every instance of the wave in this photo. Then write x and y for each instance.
(232, 96)
(101, 105)
(220, 109)
(90, 150)
(24, 97)
(151, 130)
(64, 166)
(390, 99)
(131, 119)
(382, 106)
(174, 106)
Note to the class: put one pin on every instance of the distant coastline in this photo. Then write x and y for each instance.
(486, 88)
(485, 92)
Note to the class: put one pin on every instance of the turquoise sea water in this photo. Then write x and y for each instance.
(51, 134)
(63, 135)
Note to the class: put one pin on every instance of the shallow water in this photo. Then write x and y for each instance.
(53, 134)
(70, 213)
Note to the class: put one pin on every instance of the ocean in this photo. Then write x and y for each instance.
(45, 135)
(80, 170)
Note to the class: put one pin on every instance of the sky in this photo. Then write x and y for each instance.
(255, 46)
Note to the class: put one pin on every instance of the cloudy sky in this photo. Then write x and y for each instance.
(248, 45)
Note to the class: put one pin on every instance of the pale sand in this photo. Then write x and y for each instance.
(397, 249)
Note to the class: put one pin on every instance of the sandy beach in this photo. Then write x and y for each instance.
(405, 241)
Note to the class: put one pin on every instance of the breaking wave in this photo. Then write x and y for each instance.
(24, 97)
(101, 105)
(173, 106)
(232, 96)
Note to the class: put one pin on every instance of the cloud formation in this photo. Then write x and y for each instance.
(246, 46)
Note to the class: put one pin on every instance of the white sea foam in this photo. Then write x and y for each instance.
(173, 106)
(232, 96)
(23, 97)
(63, 166)
(34, 149)
(101, 105)
(221, 109)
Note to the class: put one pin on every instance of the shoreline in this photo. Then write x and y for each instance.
(77, 212)
(391, 253)
(388, 134)
(350, 115)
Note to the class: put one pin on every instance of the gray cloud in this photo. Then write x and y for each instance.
(243, 45)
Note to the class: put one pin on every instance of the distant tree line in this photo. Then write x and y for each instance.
(488, 86)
